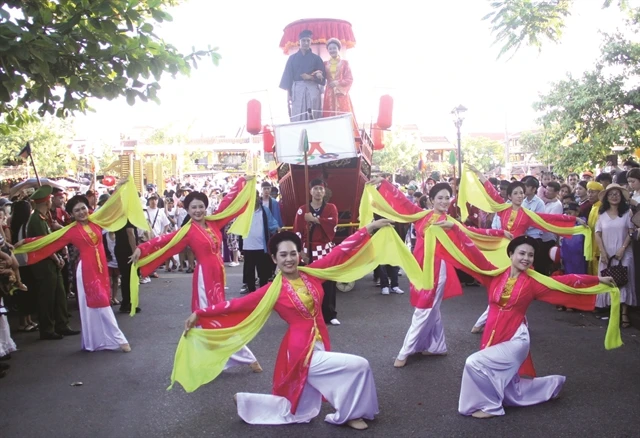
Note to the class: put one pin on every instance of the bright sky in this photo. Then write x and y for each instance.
(430, 56)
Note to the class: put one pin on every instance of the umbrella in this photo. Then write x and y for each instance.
(32, 183)
(68, 184)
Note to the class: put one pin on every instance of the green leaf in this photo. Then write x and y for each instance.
(133, 70)
(47, 15)
(147, 27)
(131, 97)
(129, 24)
(5, 96)
(157, 15)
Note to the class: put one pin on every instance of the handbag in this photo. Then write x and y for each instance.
(619, 273)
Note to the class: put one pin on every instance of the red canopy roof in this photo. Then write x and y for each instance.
(322, 28)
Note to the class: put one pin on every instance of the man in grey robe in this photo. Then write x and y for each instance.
(303, 78)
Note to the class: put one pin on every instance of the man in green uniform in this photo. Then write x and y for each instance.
(47, 275)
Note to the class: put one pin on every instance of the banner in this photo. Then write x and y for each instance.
(330, 139)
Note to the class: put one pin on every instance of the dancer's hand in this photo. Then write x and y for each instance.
(18, 243)
(190, 323)
(376, 180)
(607, 280)
(376, 225)
(508, 235)
(248, 178)
(474, 169)
(446, 225)
(135, 256)
(581, 221)
(479, 174)
(121, 182)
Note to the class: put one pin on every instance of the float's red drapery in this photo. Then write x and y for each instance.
(322, 28)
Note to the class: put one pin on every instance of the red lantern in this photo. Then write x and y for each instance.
(378, 135)
(273, 174)
(385, 113)
(108, 181)
(267, 139)
(254, 117)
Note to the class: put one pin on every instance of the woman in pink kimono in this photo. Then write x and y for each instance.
(306, 371)
(100, 329)
(205, 240)
(491, 377)
(339, 81)
(426, 332)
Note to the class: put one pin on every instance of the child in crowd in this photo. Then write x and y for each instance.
(572, 250)
(545, 179)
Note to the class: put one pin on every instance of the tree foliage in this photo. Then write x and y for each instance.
(483, 153)
(532, 141)
(531, 22)
(50, 141)
(104, 157)
(57, 54)
(187, 157)
(583, 118)
(163, 136)
(399, 157)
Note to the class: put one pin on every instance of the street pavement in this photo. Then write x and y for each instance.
(125, 395)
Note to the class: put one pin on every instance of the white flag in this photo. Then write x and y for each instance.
(330, 139)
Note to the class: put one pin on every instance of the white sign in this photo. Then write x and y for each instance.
(330, 139)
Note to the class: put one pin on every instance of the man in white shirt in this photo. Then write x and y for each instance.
(549, 240)
(534, 203)
(158, 221)
(255, 248)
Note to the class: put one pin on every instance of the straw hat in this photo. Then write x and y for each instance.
(610, 187)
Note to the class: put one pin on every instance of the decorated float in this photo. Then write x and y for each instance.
(323, 143)
(338, 150)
